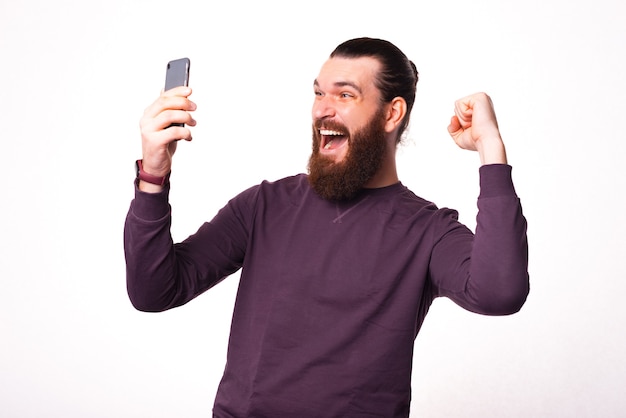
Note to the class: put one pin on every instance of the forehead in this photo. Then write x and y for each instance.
(338, 71)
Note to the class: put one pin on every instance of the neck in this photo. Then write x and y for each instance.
(387, 174)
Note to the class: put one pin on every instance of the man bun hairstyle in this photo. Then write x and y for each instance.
(398, 76)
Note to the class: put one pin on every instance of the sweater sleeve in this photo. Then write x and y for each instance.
(485, 272)
(160, 274)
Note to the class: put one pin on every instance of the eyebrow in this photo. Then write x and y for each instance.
(342, 84)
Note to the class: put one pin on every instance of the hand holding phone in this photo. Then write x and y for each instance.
(158, 149)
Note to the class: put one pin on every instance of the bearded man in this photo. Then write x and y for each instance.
(338, 267)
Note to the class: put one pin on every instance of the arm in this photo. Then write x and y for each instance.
(160, 274)
(488, 272)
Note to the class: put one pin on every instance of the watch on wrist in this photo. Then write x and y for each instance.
(149, 178)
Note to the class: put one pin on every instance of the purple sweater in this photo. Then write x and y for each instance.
(331, 295)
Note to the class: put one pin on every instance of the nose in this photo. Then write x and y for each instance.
(323, 107)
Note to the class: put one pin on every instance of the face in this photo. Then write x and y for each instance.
(349, 138)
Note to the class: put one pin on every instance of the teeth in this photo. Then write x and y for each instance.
(328, 144)
(328, 132)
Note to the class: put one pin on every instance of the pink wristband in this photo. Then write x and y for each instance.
(149, 178)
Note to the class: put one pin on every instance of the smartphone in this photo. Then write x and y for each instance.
(177, 74)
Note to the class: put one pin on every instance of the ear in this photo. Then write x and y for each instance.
(396, 111)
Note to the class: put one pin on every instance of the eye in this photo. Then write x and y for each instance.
(318, 93)
(346, 95)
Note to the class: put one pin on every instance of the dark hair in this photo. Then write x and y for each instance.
(398, 76)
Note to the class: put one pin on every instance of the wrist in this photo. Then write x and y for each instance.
(149, 182)
(491, 151)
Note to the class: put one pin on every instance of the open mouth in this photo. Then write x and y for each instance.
(332, 139)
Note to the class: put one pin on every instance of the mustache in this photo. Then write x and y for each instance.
(329, 124)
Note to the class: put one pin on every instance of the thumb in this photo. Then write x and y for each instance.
(454, 127)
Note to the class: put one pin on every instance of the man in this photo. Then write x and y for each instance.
(340, 266)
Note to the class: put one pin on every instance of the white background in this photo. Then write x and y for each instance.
(76, 77)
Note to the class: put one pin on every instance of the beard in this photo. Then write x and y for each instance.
(337, 181)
